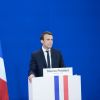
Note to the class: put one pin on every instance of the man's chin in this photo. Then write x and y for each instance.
(49, 47)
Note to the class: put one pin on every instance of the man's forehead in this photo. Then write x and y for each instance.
(48, 36)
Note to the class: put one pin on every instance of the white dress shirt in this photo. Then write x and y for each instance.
(45, 54)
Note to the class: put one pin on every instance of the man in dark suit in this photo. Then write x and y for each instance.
(46, 57)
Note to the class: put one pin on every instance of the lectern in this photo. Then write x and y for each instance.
(58, 84)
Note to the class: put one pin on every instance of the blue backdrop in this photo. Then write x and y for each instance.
(76, 28)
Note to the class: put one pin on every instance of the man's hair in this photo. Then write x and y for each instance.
(44, 33)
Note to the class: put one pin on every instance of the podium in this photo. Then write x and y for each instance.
(55, 87)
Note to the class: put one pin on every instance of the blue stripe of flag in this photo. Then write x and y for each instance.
(56, 87)
(0, 50)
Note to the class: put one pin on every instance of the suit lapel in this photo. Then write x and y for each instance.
(43, 61)
(53, 58)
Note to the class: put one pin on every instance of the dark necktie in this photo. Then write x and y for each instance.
(48, 59)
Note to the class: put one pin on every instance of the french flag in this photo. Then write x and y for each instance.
(67, 88)
(3, 80)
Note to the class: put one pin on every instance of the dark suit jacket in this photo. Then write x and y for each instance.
(38, 62)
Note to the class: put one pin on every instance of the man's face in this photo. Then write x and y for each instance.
(47, 42)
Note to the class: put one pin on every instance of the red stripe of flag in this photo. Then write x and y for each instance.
(3, 90)
(65, 81)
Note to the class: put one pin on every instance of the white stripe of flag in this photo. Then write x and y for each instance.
(3, 80)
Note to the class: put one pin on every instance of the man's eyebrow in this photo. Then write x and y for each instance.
(49, 39)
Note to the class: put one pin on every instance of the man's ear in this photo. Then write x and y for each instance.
(42, 41)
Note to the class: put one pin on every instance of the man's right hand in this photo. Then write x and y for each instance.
(30, 77)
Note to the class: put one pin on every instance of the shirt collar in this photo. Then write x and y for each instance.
(45, 49)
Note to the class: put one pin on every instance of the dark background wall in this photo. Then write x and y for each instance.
(76, 28)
